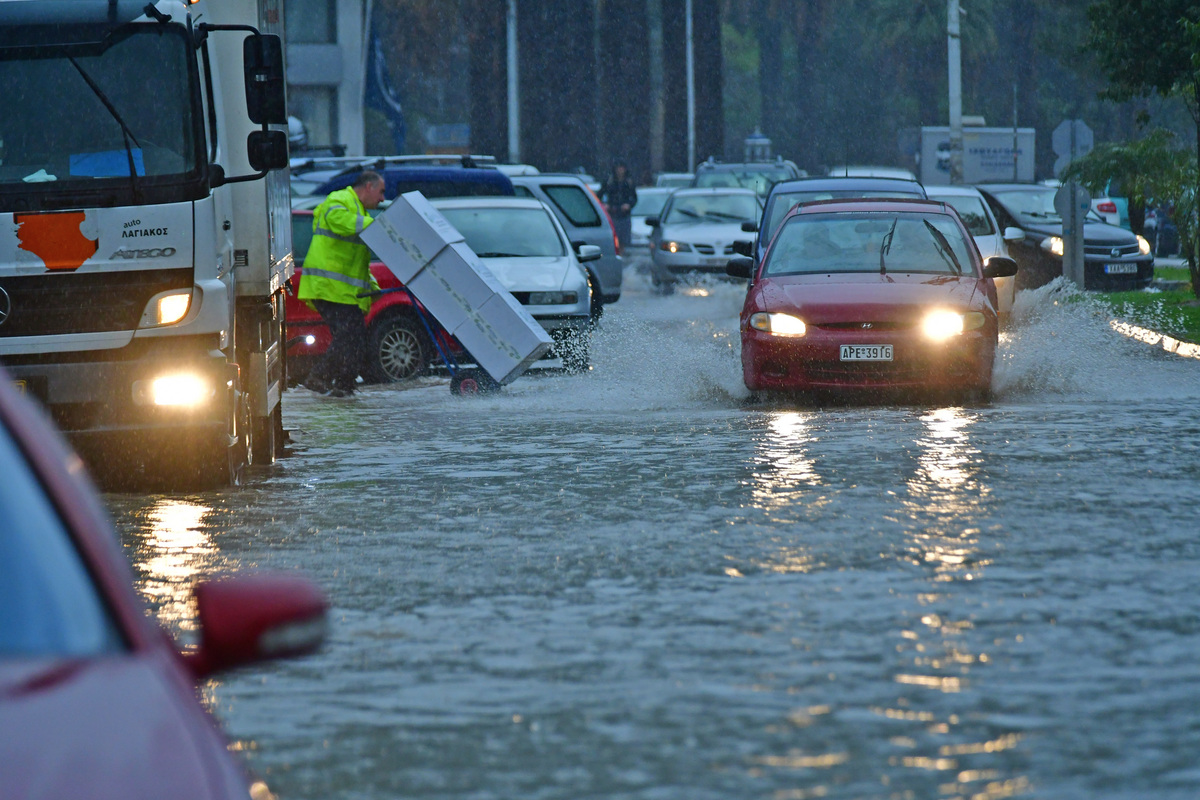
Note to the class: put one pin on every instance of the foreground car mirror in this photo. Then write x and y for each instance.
(743, 248)
(1013, 234)
(749, 227)
(256, 617)
(588, 252)
(740, 267)
(999, 267)
(653, 222)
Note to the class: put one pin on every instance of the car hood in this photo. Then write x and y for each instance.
(536, 274)
(864, 297)
(107, 727)
(704, 232)
(1094, 233)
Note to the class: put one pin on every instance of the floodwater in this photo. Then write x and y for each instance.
(635, 584)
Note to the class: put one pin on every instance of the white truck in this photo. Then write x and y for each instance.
(987, 155)
(145, 238)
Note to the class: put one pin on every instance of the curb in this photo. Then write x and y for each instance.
(1169, 344)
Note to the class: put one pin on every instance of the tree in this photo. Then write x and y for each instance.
(1149, 47)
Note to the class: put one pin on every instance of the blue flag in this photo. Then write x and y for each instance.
(380, 94)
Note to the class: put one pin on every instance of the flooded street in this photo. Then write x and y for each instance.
(637, 584)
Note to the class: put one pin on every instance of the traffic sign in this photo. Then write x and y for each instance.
(1072, 139)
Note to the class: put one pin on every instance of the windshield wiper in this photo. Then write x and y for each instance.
(886, 245)
(501, 255)
(126, 134)
(944, 249)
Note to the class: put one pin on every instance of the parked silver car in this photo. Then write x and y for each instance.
(586, 222)
(696, 232)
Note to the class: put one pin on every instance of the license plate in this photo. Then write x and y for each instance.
(1120, 269)
(866, 352)
(716, 262)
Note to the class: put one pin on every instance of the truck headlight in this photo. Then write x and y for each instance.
(778, 324)
(179, 390)
(167, 308)
(1053, 245)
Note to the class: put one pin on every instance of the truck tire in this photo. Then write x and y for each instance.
(267, 438)
(399, 349)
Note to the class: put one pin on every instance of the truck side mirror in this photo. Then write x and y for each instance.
(262, 59)
(267, 150)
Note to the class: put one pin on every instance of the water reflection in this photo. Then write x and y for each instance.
(784, 464)
(176, 548)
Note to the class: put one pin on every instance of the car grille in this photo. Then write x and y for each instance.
(864, 326)
(866, 372)
(1107, 250)
(711, 250)
(90, 302)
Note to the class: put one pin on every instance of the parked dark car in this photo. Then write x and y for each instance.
(1114, 259)
(786, 195)
(757, 175)
(95, 698)
(430, 180)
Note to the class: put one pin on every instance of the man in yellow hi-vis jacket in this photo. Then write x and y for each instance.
(336, 271)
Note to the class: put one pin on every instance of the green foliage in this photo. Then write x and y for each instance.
(1144, 46)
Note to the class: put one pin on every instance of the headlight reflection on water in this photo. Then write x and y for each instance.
(176, 551)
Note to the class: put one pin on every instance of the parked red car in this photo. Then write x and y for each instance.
(871, 296)
(95, 699)
(400, 347)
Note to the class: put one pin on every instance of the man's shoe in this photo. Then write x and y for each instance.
(336, 392)
(318, 386)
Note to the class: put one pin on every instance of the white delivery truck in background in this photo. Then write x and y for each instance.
(987, 155)
(145, 237)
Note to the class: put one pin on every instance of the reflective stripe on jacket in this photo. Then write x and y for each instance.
(337, 266)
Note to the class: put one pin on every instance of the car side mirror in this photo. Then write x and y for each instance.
(742, 267)
(588, 252)
(653, 222)
(255, 617)
(999, 267)
(1014, 235)
(743, 248)
(749, 227)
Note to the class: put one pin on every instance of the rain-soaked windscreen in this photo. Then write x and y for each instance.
(499, 232)
(783, 202)
(85, 114)
(712, 208)
(869, 242)
(970, 208)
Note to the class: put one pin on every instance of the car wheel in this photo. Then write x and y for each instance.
(400, 349)
(597, 306)
(468, 382)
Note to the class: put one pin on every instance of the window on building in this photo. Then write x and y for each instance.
(311, 21)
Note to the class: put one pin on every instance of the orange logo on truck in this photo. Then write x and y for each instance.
(55, 238)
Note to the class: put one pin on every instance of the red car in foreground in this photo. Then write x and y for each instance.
(399, 345)
(871, 297)
(95, 699)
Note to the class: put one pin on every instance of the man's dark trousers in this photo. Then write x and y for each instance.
(344, 360)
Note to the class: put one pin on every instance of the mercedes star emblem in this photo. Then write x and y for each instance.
(5, 306)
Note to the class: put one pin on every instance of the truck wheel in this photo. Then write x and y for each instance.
(268, 438)
(471, 382)
(400, 349)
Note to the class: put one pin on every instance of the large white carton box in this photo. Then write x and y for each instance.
(425, 252)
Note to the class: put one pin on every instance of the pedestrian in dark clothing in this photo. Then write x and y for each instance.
(620, 196)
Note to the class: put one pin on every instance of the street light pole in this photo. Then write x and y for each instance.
(954, 53)
(691, 90)
(514, 88)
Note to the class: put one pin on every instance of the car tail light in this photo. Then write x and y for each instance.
(1107, 207)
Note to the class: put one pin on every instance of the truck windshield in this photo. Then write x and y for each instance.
(119, 115)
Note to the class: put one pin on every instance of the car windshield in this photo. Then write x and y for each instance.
(500, 232)
(694, 208)
(1035, 205)
(869, 242)
(971, 209)
(109, 112)
(49, 606)
(649, 203)
(783, 202)
(760, 180)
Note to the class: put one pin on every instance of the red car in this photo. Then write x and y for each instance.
(871, 297)
(95, 699)
(399, 345)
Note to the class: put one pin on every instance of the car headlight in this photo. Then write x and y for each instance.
(778, 324)
(1143, 246)
(942, 325)
(676, 247)
(553, 298)
(1053, 245)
